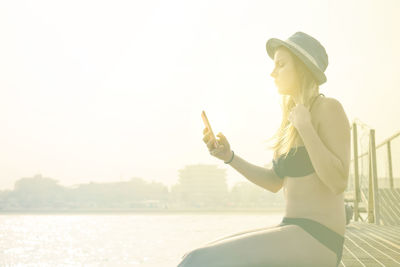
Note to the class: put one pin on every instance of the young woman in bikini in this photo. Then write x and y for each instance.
(311, 163)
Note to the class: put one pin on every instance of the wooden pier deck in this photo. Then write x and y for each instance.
(371, 245)
(375, 241)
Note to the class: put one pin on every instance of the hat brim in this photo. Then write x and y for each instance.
(274, 43)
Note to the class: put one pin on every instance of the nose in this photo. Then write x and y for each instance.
(273, 73)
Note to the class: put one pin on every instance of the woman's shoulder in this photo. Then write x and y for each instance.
(325, 107)
(327, 104)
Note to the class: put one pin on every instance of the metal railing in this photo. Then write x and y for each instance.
(369, 199)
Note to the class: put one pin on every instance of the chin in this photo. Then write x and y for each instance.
(285, 91)
(282, 91)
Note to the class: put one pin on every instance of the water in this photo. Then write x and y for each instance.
(116, 240)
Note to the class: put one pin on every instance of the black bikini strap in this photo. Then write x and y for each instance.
(315, 98)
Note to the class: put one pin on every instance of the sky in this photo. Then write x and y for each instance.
(103, 91)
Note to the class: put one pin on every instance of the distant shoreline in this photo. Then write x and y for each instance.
(127, 211)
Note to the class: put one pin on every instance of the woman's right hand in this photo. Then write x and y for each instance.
(223, 151)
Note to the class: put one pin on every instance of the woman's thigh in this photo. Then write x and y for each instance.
(287, 245)
(241, 233)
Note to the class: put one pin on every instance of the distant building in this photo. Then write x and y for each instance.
(201, 185)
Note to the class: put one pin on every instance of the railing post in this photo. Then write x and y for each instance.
(356, 177)
(389, 154)
(374, 176)
(371, 217)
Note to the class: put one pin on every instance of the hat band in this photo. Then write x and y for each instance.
(304, 52)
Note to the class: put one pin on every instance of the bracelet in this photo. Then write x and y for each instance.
(233, 154)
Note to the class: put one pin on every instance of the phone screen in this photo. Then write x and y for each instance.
(207, 124)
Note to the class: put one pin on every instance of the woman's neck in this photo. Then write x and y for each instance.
(296, 98)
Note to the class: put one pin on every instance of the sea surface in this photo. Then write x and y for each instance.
(153, 239)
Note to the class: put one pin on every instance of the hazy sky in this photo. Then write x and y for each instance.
(104, 91)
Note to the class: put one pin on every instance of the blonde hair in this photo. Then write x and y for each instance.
(286, 135)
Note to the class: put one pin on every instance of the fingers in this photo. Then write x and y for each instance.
(222, 138)
(206, 138)
(214, 145)
(216, 151)
(211, 144)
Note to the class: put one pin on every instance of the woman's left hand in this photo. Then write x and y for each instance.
(300, 117)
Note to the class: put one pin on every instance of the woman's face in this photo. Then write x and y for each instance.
(284, 73)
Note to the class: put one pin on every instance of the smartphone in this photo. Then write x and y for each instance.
(207, 124)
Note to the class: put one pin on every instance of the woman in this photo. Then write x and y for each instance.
(311, 163)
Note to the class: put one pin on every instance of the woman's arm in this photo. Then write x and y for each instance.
(329, 148)
(264, 177)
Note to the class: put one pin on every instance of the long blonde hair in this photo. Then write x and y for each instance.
(286, 135)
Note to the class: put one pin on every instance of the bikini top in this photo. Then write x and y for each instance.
(295, 164)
